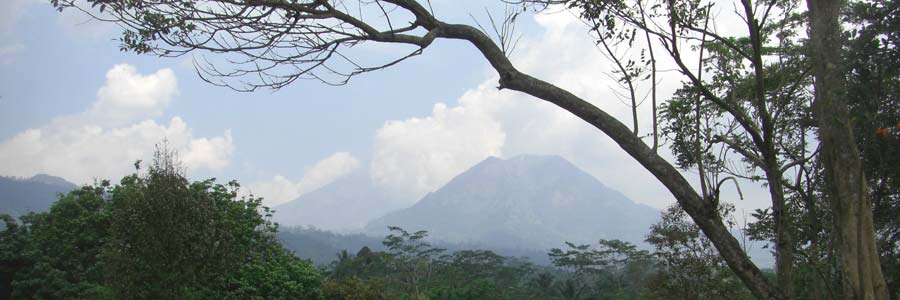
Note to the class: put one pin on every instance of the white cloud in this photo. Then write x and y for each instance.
(276, 191)
(418, 155)
(280, 189)
(211, 153)
(118, 129)
(129, 96)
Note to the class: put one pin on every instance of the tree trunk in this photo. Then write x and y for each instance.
(784, 243)
(855, 235)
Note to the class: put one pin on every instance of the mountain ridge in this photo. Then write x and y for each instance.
(19, 196)
(345, 205)
(543, 200)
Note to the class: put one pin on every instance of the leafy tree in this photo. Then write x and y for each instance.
(543, 284)
(481, 274)
(612, 269)
(171, 239)
(413, 269)
(413, 259)
(847, 188)
(275, 274)
(343, 265)
(151, 237)
(691, 266)
(60, 249)
(739, 112)
(352, 289)
(873, 91)
(12, 259)
(470, 290)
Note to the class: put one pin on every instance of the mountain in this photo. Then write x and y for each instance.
(19, 196)
(527, 201)
(344, 205)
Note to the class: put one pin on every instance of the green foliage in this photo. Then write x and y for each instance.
(171, 239)
(60, 249)
(353, 289)
(873, 59)
(699, 128)
(411, 268)
(412, 259)
(691, 267)
(481, 274)
(478, 289)
(156, 236)
(277, 275)
(684, 266)
(612, 269)
(12, 259)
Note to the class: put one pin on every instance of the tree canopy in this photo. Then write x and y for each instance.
(152, 236)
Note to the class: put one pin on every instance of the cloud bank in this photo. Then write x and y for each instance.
(118, 129)
(280, 189)
(418, 155)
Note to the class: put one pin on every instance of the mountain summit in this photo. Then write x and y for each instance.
(528, 201)
(19, 196)
(345, 205)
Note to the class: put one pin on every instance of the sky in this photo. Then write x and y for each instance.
(73, 105)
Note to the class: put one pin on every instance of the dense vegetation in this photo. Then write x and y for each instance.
(152, 236)
(157, 236)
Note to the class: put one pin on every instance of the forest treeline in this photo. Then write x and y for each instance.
(155, 235)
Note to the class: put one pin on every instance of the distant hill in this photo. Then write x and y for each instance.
(36, 194)
(345, 205)
(321, 246)
(525, 202)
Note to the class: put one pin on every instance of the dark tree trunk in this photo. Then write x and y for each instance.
(784, 244)
(854, 231)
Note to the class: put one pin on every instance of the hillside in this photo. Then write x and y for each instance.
(344, 205)
(527, 201)
(321, 246)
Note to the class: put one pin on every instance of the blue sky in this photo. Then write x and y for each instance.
(73, 105)
(57, 63)
(61, 64)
